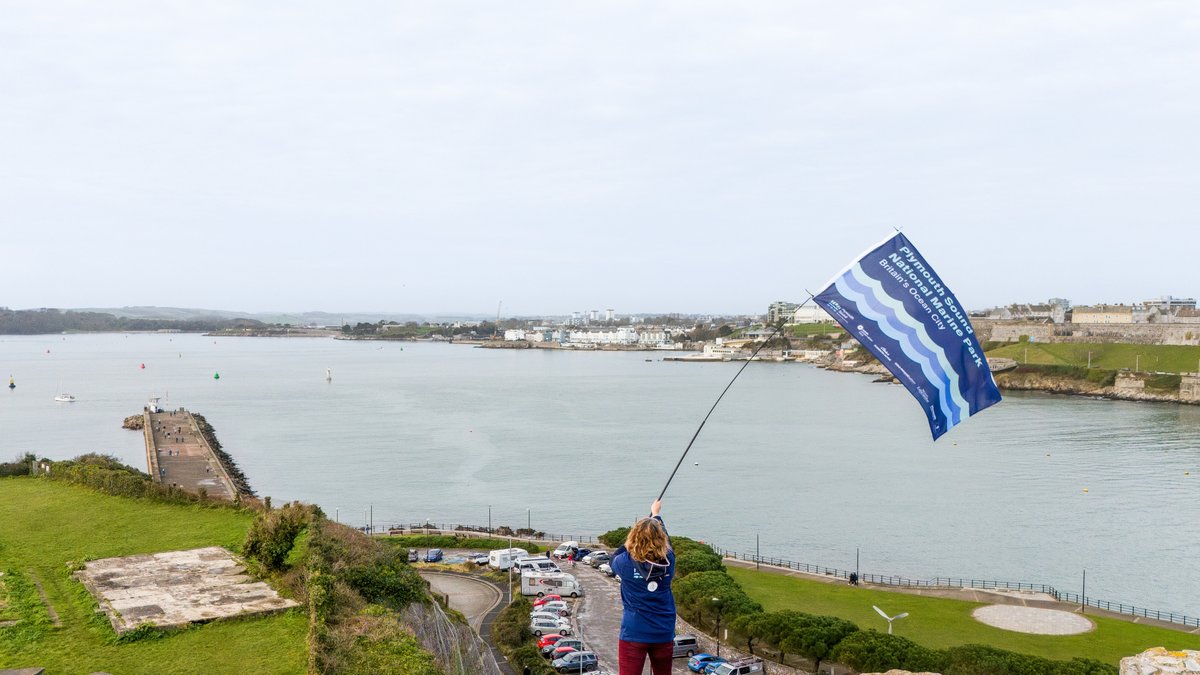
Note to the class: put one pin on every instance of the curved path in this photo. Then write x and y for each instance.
(472, 596)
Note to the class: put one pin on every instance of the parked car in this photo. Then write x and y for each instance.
(539, 614)
(548, 639)
(685, 645)
(479, 558)
(598, 557)
(587, 559)
(547, 598)
(581, 553)
(555, 606)
(606, 569)
(540, 627)
(413, 555)
(434, 555)
(745, 666)
(576, 662)
(573, 643)
(704, 663)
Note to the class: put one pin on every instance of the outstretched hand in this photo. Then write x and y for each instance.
(655, 507)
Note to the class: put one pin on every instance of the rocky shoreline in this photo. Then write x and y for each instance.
(1128, 386)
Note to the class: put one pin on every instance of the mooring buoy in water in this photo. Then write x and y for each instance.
(216, 376)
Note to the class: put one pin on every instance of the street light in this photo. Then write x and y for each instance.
(489, 518)
(717, 602)
(528, 521)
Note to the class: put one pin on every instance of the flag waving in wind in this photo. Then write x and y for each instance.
(892, 302)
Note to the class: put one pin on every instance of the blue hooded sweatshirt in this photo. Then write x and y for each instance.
(649, 615)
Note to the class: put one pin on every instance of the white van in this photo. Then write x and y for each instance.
(550, 583)
(536, 565)
(503, 558)
(564, 548)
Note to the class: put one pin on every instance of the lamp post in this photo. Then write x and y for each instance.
(528, 520)
(717, 602)
(489, 518)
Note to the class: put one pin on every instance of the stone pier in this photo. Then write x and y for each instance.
(177, 454)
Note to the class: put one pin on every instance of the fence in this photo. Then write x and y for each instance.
(948, 582)
(457, 530)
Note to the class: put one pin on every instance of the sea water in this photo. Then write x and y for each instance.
(818, 465)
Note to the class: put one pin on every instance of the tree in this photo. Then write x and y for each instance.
(816, 636)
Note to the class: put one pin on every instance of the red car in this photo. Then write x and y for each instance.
(544, 599)
(548, 639)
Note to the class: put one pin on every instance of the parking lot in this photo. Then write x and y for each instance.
(595, 617)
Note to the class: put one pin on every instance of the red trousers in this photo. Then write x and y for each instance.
(632, 657)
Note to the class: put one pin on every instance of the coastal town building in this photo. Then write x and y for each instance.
(1053, 311)
(1102, 314)
(791, 312)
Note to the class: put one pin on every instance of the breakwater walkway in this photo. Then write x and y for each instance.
(178, 454)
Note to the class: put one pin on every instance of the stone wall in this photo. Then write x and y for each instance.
(1136, 333)
(1189, 387)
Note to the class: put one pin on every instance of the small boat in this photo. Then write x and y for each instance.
(328, 375)
(11, 384)
(65, 398)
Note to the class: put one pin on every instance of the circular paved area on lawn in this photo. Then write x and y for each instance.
(1032, 620)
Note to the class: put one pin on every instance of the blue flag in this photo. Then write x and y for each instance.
(892, 302)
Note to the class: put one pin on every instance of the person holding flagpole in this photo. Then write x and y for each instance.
(645, 565)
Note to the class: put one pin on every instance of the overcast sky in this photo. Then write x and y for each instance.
(678, 156)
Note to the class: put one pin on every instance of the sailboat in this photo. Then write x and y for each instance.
(63, 397)
(328, 375)
(11, 384)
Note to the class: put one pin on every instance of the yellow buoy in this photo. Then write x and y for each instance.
(1085, 489)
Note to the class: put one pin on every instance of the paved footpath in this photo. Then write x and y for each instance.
(183, 457)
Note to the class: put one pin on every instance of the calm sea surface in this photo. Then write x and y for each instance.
(818, 463)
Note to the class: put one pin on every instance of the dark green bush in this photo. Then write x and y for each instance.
(388, 580)
(816, 636)
(614, 538)
(694, 594)
(1163, 382)
(985, 660)
(273, 534)
(20, 466)
(868, 651)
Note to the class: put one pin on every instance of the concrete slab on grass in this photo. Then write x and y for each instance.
(177, 588)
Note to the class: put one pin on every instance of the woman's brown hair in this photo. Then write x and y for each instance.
(647, 541)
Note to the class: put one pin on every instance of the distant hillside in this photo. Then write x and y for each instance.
(42, 321)
(293, 318)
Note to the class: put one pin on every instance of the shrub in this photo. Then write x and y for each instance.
(985, 660)
(1104, 378)
(614, 538)
(816, 636)
(1163, 382)
(388, 580)
(273, 534)
(20, 466)
(868, 650)
(694, 594)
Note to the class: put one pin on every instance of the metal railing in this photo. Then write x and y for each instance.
(459, 530)
(950, 582)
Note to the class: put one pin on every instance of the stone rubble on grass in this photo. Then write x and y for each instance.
(1159, 661)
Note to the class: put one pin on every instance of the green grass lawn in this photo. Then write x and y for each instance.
(43, 525)
(1154, 358)
(940, 623)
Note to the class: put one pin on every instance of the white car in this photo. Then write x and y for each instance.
(556, 606)
(606, 569)
(539, 615)
(587, 559)
(540, 627)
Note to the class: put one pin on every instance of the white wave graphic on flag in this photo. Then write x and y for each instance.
(911, 335)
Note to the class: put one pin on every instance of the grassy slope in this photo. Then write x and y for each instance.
(937, 622)
(1154, 358)
(46, 524)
